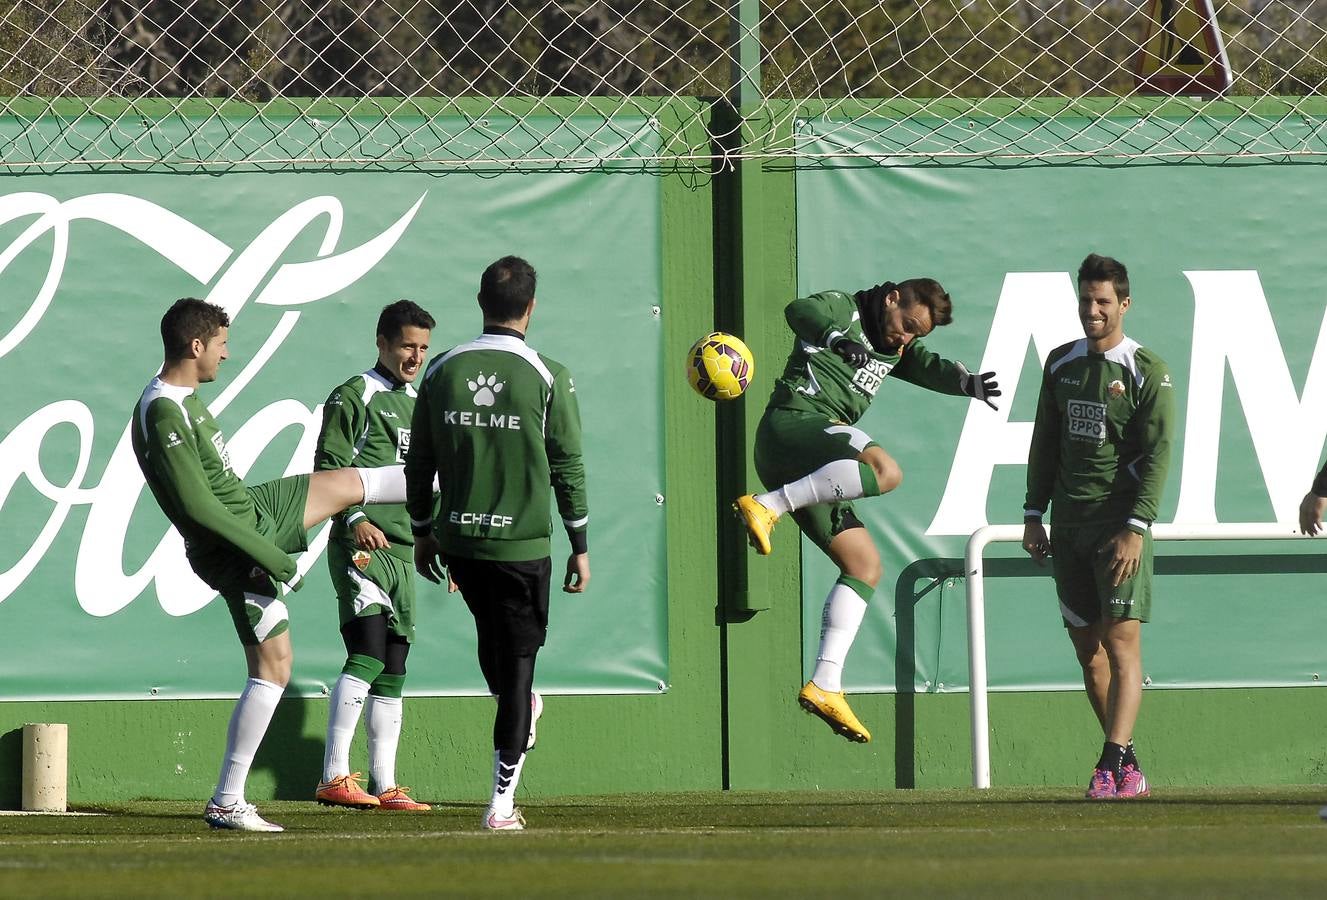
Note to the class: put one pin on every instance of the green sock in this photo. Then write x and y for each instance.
(388, 685)
(870, 484)
(365, 668)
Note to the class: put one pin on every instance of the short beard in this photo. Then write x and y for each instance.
(871, 307)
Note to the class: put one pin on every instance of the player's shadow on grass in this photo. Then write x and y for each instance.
(294, 757)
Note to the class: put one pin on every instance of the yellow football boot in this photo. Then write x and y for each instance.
(833, 707)
(759, 521)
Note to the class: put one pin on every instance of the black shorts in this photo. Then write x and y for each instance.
(509, 600)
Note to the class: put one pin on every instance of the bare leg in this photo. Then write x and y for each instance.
(1096, 669)
(271, 660)
(1123, 643)
(329, 493)
(855, 554)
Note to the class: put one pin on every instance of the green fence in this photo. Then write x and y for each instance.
(634, 266)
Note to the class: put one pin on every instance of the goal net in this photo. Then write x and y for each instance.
(441, 84)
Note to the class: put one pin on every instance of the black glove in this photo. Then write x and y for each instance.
(853, 353)
(979, 387)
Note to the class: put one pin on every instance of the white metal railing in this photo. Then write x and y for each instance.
(973, 568)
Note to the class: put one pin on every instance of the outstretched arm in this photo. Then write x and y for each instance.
(420, 466)
(923, 368)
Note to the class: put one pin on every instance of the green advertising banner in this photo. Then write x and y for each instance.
(96, 600)
(1223, 263)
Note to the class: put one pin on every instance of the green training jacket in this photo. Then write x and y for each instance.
(499, 425)
(1101, 441)
(816, 379)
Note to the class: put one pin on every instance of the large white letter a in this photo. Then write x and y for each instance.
(1036, 306)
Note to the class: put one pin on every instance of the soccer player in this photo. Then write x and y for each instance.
(366, 422)
(814, 462)
(236, 538)
(1098, 461)
(499, 426)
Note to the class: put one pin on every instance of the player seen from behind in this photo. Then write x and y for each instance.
(499, 426)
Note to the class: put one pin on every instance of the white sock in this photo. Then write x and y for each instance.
(843, 614)
(347, 702)
(505, 779)
(382, 719)
(248, 724)
(838, 480)
(384, 484)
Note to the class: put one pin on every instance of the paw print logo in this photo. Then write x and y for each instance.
(486, 389)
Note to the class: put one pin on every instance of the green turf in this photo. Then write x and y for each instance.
(930, 844)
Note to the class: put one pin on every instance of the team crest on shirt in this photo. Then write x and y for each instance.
(1115, 388)
(361, 559)
(402, 443)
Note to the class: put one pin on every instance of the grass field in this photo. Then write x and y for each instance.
(930, 844)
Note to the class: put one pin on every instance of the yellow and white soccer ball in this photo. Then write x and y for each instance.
(720, 366)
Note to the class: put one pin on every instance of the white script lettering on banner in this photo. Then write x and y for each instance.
(253, 273)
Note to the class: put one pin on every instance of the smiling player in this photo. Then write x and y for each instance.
(1098, 460)
(366, 422)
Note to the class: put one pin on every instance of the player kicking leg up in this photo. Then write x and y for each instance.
(845, 465)
(237, 538)
(286, 509)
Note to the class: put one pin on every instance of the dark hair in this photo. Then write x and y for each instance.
(1103, 268)
(929, 293)
(396, 317)
(506, 289)
(189, 318)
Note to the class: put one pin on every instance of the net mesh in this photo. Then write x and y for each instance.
(437, 84)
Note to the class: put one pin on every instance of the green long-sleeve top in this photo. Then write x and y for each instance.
(1101, 441)
(499, 425)
(366, 422)
(183, 457)
(818, 380)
